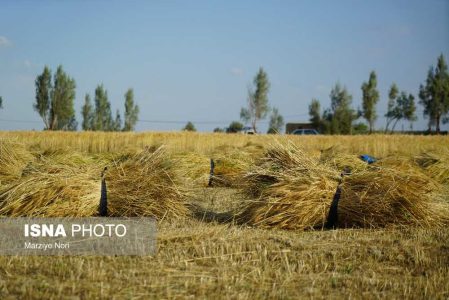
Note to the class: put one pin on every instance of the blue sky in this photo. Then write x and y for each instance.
(193, 60)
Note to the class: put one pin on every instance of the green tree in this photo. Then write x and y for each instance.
(189, 127)
(404, 107)
(218, 130)
(103, 114)
(360, 128)
(62, 111)
(434, 95)
(340, 116)
(315, 114)
(54, 102)
(370, 99)
(409, 107)
(117, 121)
(131, 111)
(43, 90)
(72, 124)
(234, 127)
(257, 101)
(88, 114)
(276, 122)
(1, 102)
(392, 112)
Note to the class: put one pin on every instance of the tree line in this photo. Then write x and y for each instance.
(340, 117)
(54, 103)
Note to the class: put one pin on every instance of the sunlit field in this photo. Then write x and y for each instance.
(204, 143)
(240, 237)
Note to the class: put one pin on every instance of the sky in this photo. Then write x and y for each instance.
(193, 60)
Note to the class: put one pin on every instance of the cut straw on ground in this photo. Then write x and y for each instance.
(289, 190)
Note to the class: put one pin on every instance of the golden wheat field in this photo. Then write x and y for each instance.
(258, 231)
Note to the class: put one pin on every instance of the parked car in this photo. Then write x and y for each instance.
(247, 130)
(305, 132)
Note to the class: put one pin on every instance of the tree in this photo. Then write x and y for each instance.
(1, 102)
(402, 107)
(360, 128)
(218, 130)
(391, 109)
(257, 101)
(189, 127)
(315, 114)
(43, 90)
(117, 122)
(103, 115)
(72, 124)
(234, 127)
(370, 99)
(54, 103)
(407, 103)
(131, 111)
(276, 122)
(62, 109)
(340, 116)
(88, 114)
(434, 94)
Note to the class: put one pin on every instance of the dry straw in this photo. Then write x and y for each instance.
(289, 190)
(337, 157)
(59, 184)
(145, 185)
(14, 157)
(53, 190)
(192, 167)
(435, 164)
(384, 196)
(231, 163)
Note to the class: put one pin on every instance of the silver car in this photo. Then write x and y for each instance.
(305, 132)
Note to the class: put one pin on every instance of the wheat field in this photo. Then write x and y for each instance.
(202, 250)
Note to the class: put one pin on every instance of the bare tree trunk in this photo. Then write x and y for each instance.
(388, 125)
(394, 125)
(437, 121)
(253, 123)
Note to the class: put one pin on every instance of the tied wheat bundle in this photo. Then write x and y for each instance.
(145, 185)
(338, 158)
(384, 196)
(231, 163)
(66, 191)
(288, 190)
(193, 167)
(14, 157)
(435, 164)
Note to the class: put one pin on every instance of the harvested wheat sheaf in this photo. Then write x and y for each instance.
(13, 158)
(380, 197)
(67, 184)
(53, 189)
(192, 167)
(435, 164)
(289, 190)
(338, 158)
(145, 185)
(231, 163)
